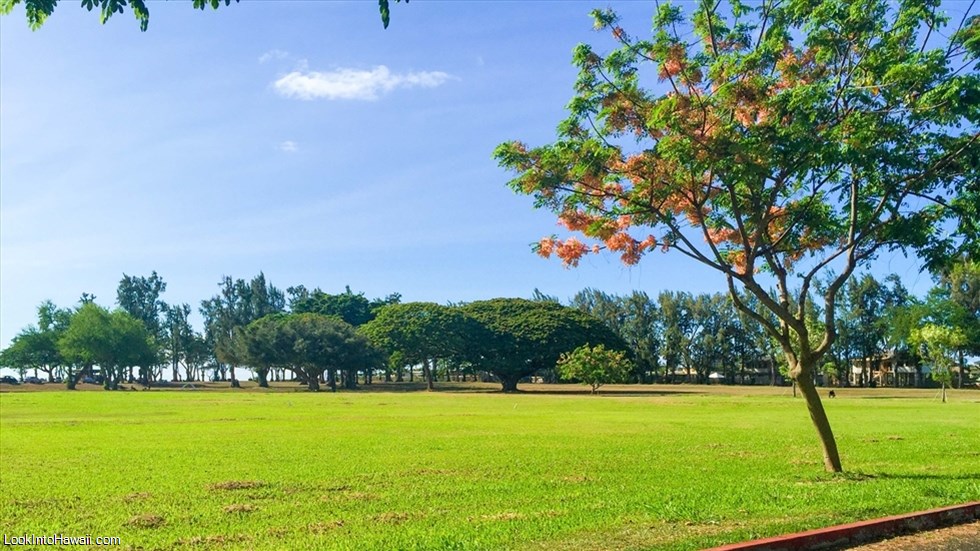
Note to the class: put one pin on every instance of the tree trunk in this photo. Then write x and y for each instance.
(331, 380)
(944, 391)
(71, 379)
(509, 382)
(234, 381)
(263, 376)
(804, 378)
(962, 368)
(427, 367)
(313, 384)
(350, 381)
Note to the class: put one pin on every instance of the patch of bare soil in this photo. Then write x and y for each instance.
(236, 485)
(146, 521)
(210, 541)
(136, 496)
(240, 508)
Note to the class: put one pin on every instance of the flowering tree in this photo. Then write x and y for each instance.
(776, 143)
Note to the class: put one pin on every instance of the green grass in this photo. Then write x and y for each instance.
(469, 470)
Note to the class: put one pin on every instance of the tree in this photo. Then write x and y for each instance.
(140, 297)
(594, 366)
(316, 343)
(39, 10)
(112, 340)
(523, 336)
(939, 344)
(263, 344)
(788, 139)
(239, 303)
(961, 285)
(675, 320)
(706, 344)
(32, 349)
(353, 308)
(178, 336)
(422, 332)
(36, 347)
(641, 331)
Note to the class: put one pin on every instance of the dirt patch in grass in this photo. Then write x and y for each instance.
(508, 515)
(392, 518)
(575, 479)
(240, 508)
(348, 495)
(325, 526)
(146, 521)
(236, 485)
(211, 541)
(136, 496)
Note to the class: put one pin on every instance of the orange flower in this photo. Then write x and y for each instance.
(545, 247)
(575, 220)
(620, 242)
(649, 243)
(570, 251)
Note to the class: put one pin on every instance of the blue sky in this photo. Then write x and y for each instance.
(296, 138)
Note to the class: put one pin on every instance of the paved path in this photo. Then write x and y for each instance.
(963, 537)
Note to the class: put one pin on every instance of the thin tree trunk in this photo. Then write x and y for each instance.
(831, 457)
(427, 367)
(962, 368)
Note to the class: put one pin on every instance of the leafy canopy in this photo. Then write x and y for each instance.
(594, 366)
(38, 11)
(788, 138)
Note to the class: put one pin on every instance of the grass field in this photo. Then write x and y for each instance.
(673, 467)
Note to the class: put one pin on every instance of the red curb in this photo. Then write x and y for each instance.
(862, 532)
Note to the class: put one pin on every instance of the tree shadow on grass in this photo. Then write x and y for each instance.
(927, 476)
(614, 393)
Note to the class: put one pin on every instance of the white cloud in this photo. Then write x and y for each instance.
(273, 54)
(353, 83)
(289, 146)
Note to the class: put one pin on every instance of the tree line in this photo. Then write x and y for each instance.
(340, 340)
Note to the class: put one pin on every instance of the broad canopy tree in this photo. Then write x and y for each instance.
(788, 140)
(522, 336)
(113, 341)
(422, 333)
